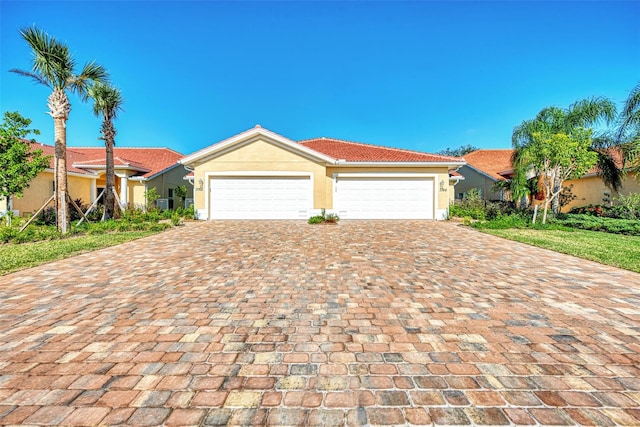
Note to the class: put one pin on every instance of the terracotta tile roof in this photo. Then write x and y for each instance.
(359, 152)
(150, 161)
(491, 162)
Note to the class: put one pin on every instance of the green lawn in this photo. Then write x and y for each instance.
(15, 257)
(612, 249)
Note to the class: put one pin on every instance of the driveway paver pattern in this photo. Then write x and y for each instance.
(283, 323)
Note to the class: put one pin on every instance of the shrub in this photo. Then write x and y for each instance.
(594, 223)
(331, 218)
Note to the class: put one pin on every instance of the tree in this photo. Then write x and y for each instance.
(556, 157)
(19, 163)
(53, 66)
(457, 152)
(566, 123)
(107, 102)
(628, 132)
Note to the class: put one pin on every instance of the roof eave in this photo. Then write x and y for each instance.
(399, 164)
(247, 136)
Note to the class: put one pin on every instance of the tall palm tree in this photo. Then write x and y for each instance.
(107, 102)
(53, 66)
(551, 120)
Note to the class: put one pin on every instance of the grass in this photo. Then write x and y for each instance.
(16, 257)
(612, 249)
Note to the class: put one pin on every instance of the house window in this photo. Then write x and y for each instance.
(171, 193)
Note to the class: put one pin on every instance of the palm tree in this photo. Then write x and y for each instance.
(551, 120)
(53, 66)
(628, 132)
(107, 102)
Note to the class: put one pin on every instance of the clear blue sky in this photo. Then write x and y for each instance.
(417, 75)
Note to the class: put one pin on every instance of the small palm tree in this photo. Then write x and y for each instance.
(107, 102)
(53, 66)
(580, 115)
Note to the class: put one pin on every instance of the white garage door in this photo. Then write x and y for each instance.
(384, 198)
(265, 197)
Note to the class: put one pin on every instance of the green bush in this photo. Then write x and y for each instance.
(595, 223)
(324, 217)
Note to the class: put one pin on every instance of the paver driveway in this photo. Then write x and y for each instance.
(284, 323)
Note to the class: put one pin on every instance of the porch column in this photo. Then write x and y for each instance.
(93, 190)
(124, 187)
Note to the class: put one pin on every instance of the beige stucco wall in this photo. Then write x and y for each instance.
(135, 194)
(41, 188)
(263, 156)
(591, 190)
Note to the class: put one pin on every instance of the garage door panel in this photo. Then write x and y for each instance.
(384, 198)
(260, 197)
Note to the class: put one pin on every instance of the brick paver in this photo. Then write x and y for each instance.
(283, 323)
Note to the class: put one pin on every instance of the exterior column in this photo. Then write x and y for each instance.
(92, 191)
(124, 187)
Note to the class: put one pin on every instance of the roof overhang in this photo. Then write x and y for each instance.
(448, 165)
(252, 135)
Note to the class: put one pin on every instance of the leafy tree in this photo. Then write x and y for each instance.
(457, 152)
(19, 163)
(181, 192)
(107, 102)
(567, 124)
(53, 66)
(556, 157)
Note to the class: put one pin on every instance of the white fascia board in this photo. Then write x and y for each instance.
(89, 175)
(252, 134)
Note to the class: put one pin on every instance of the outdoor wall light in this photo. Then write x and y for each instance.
(442, 187)
(200, 184)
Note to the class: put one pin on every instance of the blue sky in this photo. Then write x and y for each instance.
(422, 75)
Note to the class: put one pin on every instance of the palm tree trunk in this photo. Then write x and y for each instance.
(109, 199)
(62, 207)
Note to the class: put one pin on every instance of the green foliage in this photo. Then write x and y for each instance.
(457, 152)
(558, 145)
(622, 207)
(181, 192)
(48, 215)
(19, 164)
(175, 219)
(596, 223)
(150, 197)
(324, 217)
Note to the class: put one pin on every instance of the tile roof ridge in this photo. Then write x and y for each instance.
(376, 146)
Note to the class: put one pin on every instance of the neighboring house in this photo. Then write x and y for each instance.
(259, 174)
(483, 169)
(137, 170)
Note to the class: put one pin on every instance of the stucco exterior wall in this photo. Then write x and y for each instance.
(170, 179)
(41, 188)
(260, 156)
(474, 179)
(136, 194)
(591, 190)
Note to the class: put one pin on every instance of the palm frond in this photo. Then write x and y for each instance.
(35, 77)
(609, 171)
(588, 112)
(630, 115)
